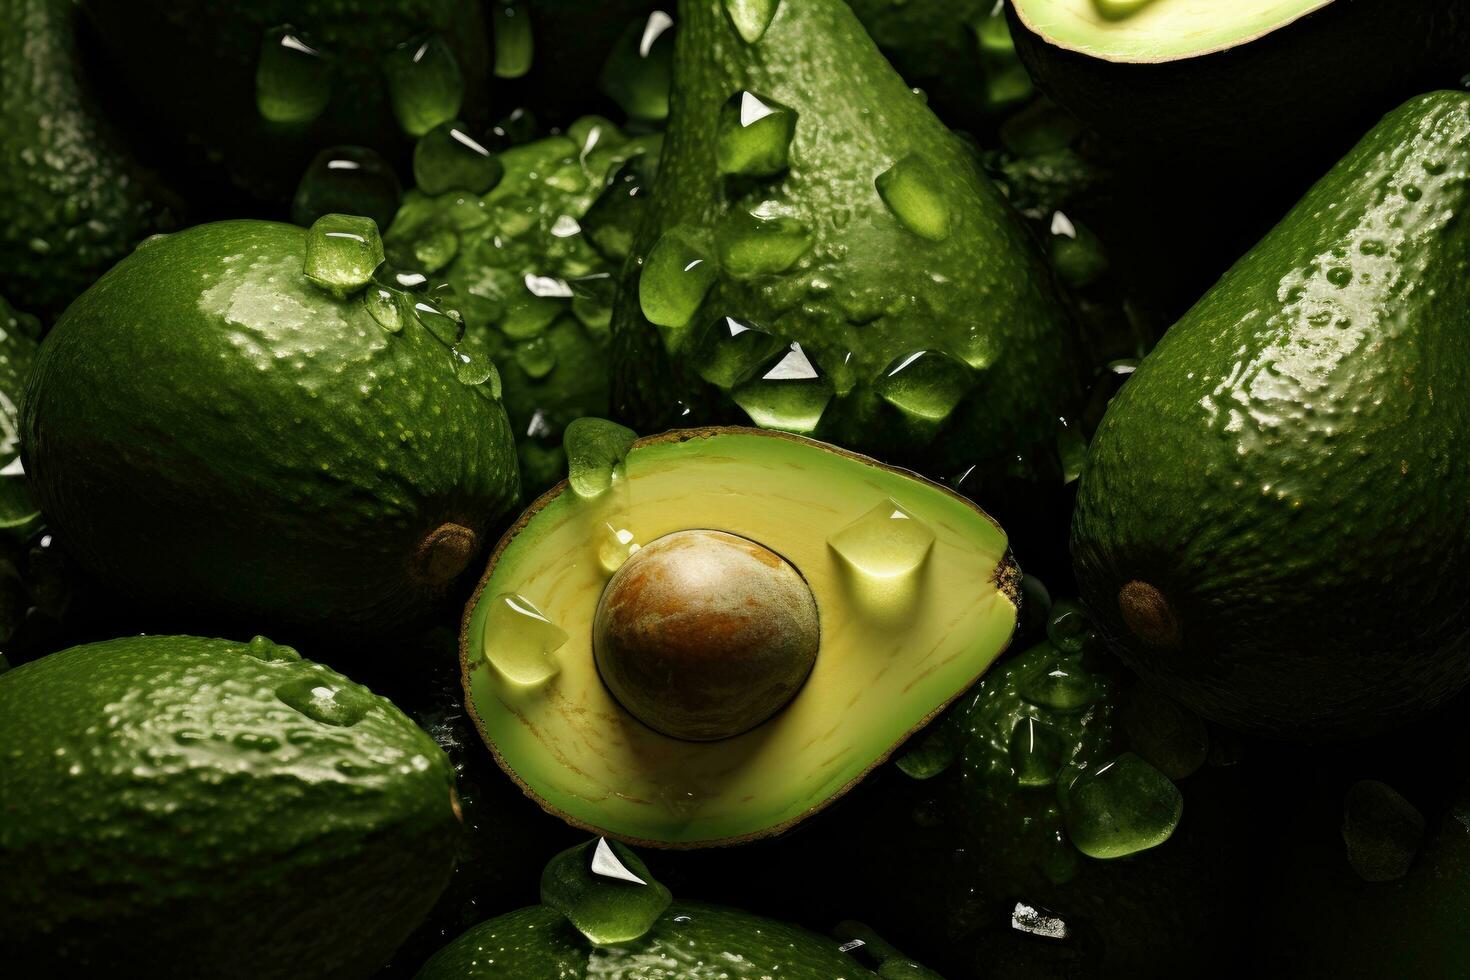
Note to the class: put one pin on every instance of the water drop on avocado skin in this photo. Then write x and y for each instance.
(293, 79)
(425, 84)
(911, 191)
(519, 641)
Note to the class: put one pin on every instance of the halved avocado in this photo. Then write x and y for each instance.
(915, 593)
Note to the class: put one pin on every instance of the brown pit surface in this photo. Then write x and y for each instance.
(444, 553)
(702, 635)
(1149, 616)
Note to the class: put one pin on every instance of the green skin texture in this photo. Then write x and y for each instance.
(141, 835)
(867, 285)
(73, 200)
(717, 943)
(1283, 466)
(208, 430)
(192, 63)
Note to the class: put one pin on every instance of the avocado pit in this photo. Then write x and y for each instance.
(702, 635)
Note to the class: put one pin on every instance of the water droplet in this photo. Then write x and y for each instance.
(755, 136)
(536, 356)
(263, 649)
(515, 47)
(790, 393)
(342, 250)
(605, 891)
(434, 248)
(926, 384)
(347, 180)
(1076, 253)
(595, 448)
(1037, 752)
(1381, 830)
(438, 322)
(424, 83)
(382, 304)
(752, 17)
(400, 279)
(1339, 276)
(640, 67)
(1070, 627)
(328, 701)
(886, 542)
(615, 546)
(912, 192)
(1119, 9)
(519, 640)
(760, 242)
(1412, 192)
(927, 756)
(293, 80)
(612, 223)
(730, 351)
(472, 366)
(1121, 807)
(675, 278)
(1063, 688)
(1071, 449)
(448, 158)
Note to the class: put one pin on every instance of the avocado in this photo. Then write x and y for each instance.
(20, 334)
(707, 636)
(73, 198)
(822, 256)
(601, 889)
(531, 266)
(211, 431)
(1208, 83)
(251, 92)
(1266, 525)
(182, 807)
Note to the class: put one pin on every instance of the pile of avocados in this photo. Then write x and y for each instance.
(759, 488)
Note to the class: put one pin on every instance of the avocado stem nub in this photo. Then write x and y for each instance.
(1149, 616)
(444, 553)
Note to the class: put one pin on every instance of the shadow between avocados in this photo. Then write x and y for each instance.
(887, 556)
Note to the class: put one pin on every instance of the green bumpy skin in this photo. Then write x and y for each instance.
(1284, 469)
(165, 812)
(73, 200)
(690, 941)
(206, 429)
(866, 291)
(527, 231)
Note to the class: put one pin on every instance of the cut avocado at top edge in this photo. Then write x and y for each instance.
(915, 594)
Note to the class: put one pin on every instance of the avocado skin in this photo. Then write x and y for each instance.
(867, 285)
(1283, 466)
(165, 814)
(1306, 89)
(190, 65)
(536, 943)
(73, 200)
(208, 431)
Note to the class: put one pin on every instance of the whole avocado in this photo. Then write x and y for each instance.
(185, 807)
(208, 429)
(1269, 522)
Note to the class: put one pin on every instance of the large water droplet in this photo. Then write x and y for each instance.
(1069, 628)
(472, 366)
(605, 891)
(754, 136)
(614, 547)
(535, 356)
(519, 640)
(1121, 807)
(1381, 830)
(612, 223)
(640, 67)
(438, 321)
(448, 158)
(328, 701)
(263, 649)
(790, 393)
(424, 83)
(1063, 688)
(595, 448)
(293, 80)
(752, 17)
(886, 542)
(342, 250)
(384, 307)
(926, 384)
(913, 193)
(515, 47)
(675, 278)
(760, 242)
(347, 180)
(730, 351)
(1037, 752)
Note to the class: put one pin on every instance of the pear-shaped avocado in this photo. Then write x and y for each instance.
(1268, 523)
(824, 257)
(182, 807)
(210, 429)
(709, 636)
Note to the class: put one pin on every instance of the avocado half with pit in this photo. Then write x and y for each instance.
(730, 636)
(1215, 82)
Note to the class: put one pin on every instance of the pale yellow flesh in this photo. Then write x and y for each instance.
(1162, 30)
(888, 659)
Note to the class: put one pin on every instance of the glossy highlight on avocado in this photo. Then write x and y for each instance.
(906, 623)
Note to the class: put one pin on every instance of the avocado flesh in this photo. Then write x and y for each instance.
(886, 664)
(1161, 30)
(184, 807)
(274, 460)
(73, 200)
(865, 292)
(1286, 449)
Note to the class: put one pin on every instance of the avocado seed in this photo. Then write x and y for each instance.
(702, 635)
